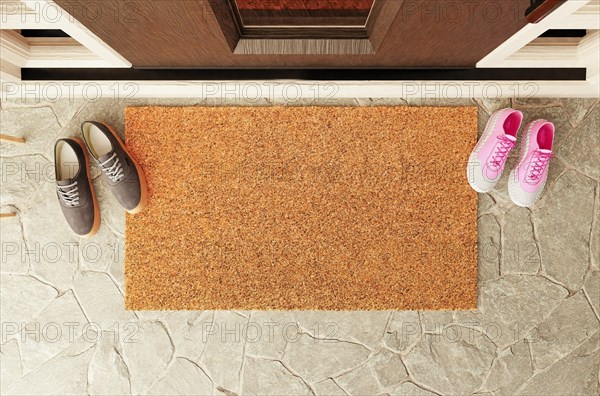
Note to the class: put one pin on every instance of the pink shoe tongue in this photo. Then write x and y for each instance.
(511, 137)
(545, 151)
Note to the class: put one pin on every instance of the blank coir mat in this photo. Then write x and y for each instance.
(312, 208)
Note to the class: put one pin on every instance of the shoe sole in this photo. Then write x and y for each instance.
(474, 186)
(143, 186)
(96, 224)
(512, 193)
(489, 127)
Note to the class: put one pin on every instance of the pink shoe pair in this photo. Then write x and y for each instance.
(486, 163)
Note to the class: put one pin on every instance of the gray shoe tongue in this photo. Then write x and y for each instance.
(105, 157)
(65, 182)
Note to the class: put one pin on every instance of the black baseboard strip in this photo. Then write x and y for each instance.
(470, 74)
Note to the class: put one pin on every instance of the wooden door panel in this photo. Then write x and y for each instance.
(186, 33)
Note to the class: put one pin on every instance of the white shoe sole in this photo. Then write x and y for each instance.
(490, 126)
(516, 194)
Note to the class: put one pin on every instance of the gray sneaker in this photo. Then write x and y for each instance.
(74, 187)
(122, 173)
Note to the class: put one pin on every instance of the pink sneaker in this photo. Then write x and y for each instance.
(487, 159)
(528, 178)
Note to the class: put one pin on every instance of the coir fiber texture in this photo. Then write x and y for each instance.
(311, 208)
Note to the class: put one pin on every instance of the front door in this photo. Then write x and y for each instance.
(301, 33)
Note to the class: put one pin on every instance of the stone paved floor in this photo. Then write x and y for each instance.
(64, 329)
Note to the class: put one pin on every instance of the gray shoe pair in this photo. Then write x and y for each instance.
(74, 188)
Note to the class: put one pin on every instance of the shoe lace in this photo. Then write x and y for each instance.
(539, 162)
(69, 194)
(501, 151)
(113, 171)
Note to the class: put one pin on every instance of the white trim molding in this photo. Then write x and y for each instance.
(82, 49)
(293, 92)
(526, 49)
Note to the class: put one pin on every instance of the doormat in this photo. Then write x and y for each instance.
(303, 208)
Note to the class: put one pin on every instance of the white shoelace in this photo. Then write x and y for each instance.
(114, 171)
(69, 194)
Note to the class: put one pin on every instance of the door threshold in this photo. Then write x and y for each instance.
(354, 74)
